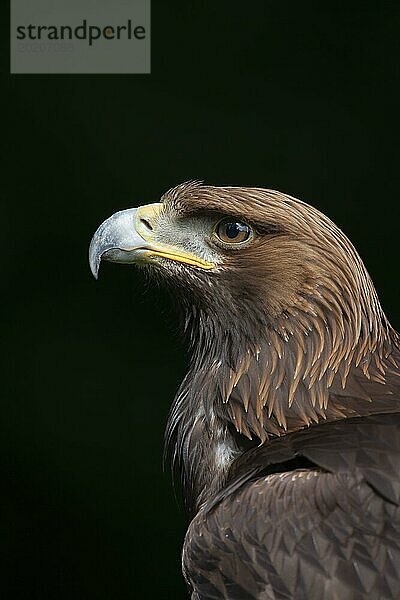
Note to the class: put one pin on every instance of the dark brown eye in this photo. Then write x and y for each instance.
(232, 232)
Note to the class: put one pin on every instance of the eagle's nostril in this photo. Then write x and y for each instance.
(146, 224)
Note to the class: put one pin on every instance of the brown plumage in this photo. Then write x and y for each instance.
(286, 428)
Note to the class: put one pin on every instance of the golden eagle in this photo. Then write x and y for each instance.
(286, 429)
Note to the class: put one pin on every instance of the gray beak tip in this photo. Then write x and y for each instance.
(94, 258)
(114, 240)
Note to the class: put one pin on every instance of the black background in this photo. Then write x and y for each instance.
(298, 96)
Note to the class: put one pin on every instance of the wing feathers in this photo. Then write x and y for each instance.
(329, 531)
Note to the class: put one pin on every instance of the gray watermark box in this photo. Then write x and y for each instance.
(80, 36)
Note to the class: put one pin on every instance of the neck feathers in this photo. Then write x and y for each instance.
(327, 358)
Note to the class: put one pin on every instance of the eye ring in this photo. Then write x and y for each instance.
(230, 232)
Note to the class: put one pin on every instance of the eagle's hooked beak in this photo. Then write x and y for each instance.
(129, 236)
(125, 237)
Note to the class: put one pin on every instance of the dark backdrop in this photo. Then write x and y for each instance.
(298, 96)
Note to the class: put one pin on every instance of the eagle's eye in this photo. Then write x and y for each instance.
(233, 232)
